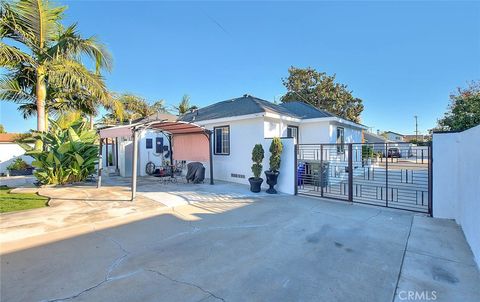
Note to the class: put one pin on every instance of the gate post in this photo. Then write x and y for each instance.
(386, 175)
(430, 179)
(350, 172)
(295, 168)
(321, 170)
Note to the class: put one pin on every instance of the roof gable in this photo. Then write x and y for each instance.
(244, 105)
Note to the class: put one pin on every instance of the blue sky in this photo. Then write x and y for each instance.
(401, 58)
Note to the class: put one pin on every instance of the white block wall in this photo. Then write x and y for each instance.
(456, 182)
(9, 152)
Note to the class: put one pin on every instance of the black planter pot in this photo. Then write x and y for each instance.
(255, 184)
(272, 177)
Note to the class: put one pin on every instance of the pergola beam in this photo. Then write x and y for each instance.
(134, 163)
(172, 128)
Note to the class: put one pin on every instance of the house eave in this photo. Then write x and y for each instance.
(230, 119)
(335, 120)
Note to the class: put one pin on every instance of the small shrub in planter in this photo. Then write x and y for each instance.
(276, 149)
(257, 157)
(19, 167)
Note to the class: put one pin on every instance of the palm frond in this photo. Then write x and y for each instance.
(28, 110)
(12, 29)
(11, 90)
(38, 17)
(70, 44)
(11, 56)
(72, 74)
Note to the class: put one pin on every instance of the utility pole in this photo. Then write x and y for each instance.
(416, 128)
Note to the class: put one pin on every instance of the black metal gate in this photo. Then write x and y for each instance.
(395, 175)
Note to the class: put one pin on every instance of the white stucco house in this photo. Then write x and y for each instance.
(240, 123)
(10, 150)
(394, 137)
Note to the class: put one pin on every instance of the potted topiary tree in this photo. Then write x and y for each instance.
(272, 174)
(257, 158)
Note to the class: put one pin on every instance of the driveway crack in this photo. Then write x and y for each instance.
(186, 283)
(403, 259)
(110, 269)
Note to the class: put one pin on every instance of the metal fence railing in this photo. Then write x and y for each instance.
(396, 175)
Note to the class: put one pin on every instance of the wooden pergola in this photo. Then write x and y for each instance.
(188, 141)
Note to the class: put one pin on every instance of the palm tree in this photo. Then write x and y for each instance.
(50, 72)
(184, 105)
(133, 107)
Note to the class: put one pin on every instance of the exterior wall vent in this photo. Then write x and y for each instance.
(234, 175)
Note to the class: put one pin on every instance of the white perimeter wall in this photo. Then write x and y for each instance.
(9, 152)
(456, 182)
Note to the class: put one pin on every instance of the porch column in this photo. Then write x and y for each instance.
(134, 163)
(170, 136)
(116, 154)
(210, 149)
(99, 179)
(106, 153)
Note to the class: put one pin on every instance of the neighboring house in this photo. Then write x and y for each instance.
(373, 138)
(394, 137)
(413, 137)
(10, 150)
(376, 140)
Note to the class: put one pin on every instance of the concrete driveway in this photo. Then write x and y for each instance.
(239, 248)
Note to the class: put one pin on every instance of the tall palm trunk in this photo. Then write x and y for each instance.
(91, 121)
(41, 95)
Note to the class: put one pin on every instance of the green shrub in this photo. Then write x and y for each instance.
(18, 164)
(257, 157)
(276, 148)
(69, 155)
(367, 151)
(110, 159)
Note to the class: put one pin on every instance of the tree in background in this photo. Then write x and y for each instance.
(2, 129)
(50, 75)
(464, 109)
(184, 105)
(133, 107)
(320, 90)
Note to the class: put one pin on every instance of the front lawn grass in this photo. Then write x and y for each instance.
(10, 202)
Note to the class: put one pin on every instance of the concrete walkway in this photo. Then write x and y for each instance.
(234, 247)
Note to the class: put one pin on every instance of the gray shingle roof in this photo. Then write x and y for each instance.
(244, 105)
(248, 104)
(305, 111)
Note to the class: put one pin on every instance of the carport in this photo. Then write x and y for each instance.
(187, 141)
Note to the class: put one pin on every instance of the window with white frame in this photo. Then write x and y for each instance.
(292, 131)
(222, 140)
(340, 140)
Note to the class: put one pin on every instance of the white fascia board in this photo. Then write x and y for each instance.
(334, 119)
(282, 117)
(229, 119)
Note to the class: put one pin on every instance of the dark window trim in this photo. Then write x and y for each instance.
(215, 140)
(293, 126)
(341, 145)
